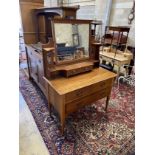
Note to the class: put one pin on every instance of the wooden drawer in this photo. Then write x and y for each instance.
(75, 105)
(79, 70)
(88, 90)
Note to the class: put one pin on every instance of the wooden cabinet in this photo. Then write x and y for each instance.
(36, 70)
(32, 63)
(40, 72)
(67, 95)
(71, 71)
(116, 36)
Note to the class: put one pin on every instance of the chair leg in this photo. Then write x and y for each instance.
(119, 81)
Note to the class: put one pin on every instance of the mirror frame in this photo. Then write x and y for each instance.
(70, 21)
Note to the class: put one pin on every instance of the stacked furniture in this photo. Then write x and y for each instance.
(68, 83)
(115, 36)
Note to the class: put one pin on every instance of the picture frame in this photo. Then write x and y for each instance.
(75, 39)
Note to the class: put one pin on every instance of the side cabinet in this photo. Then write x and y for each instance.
(35, 67)
(40, 73)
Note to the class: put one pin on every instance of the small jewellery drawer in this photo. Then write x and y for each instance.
(75, 105)
(79, 70)
(88, 90)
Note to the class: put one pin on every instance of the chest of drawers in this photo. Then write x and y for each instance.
(67, 95)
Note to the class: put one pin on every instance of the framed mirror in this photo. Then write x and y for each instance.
(72, 39)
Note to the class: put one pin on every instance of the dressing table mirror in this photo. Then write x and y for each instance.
(71, 39)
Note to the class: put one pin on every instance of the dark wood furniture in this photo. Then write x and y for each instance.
(94, 24)
(36, 64)
(36, 19)
(47, 13)
(28, 24)
(74, 66)
(116, 36)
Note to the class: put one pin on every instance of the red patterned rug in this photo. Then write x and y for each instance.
(90, 130)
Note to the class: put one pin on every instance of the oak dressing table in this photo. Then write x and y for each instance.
(66, 68)
(67, 95)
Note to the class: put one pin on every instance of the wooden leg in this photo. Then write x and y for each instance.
(48, 99)
(62, 125)
(30, 78)
(118, 72)
(49, 107)
(107, 102)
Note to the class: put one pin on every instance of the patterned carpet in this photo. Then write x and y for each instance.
(89, 131)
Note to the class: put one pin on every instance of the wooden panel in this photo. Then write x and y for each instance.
(28, 22)
(36, 67)
(29, 38)
(74, 106)
(40, 72)
(65, 85)
(69, 14)
(88, 90)
(56, 100)
(78, 70)
(33, 1)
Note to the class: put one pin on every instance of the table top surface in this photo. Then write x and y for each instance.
(64, 85)
(118, 56)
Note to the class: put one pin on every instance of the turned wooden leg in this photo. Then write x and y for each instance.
(107, 102)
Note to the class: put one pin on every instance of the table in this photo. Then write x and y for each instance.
(119, 59)
(67, 95)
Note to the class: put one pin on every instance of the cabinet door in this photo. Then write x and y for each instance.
(32, 60)
(40, 72)
(34, 69)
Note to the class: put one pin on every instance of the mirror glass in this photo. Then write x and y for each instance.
(72, 41)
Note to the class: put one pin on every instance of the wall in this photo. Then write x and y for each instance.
(49, 3)
(63, 33)
(116, 15)
(87, 8)
(119, 17)
(102, 12)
